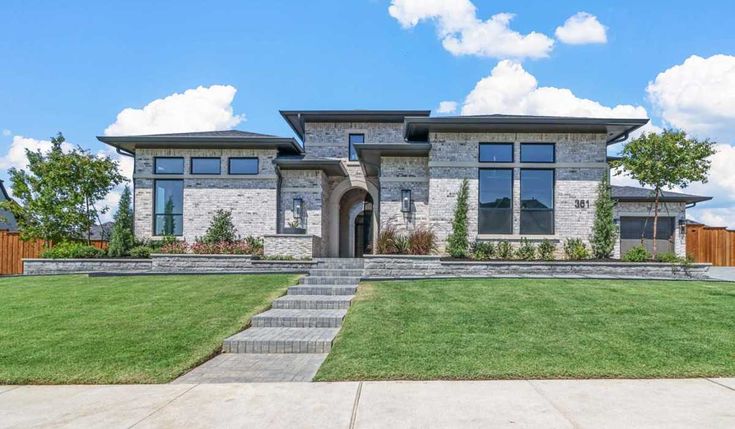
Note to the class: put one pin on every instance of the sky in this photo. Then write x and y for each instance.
(89, 68)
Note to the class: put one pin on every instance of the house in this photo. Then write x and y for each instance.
(352, 172)
(7, 220)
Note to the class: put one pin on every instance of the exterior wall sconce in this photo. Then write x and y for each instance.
(683, 225)
(406, 201)
(298, 208)
(367, 206)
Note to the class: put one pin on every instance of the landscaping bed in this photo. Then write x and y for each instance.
(76, 329)
(535, 328)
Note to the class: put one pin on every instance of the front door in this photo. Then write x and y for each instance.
(363, 234)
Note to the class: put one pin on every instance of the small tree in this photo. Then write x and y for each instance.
(666, 160)
(457, 243)
(122, 239)
(221, 230)
(604, 230)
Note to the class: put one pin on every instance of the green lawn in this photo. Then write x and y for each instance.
(144, 329)
(520, 328)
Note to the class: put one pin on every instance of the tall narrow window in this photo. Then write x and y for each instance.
(496, 152)
(355, 139)
(168, 165)
(243, 166)
(537, 201)
(538, 152)
(206, 165)
(496, 201)
(168, 216)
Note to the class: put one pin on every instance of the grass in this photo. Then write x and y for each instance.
(521, 328)
(140, 329)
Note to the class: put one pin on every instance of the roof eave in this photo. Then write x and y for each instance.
(129, 143)
(330, 167)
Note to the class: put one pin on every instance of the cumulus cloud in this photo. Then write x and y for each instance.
(15, 157)
(463, 33)
(6, 132)
(447, 107)
(198, 109)
(580, 29)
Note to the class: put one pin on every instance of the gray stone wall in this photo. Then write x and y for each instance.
(637, 209)
(222, 264)
(330, 140)
(252, 199)
(292, 245)
(397, 174)
(84, 266)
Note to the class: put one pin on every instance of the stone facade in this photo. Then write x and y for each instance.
(331, 140)
(296, 246)
(397, 174)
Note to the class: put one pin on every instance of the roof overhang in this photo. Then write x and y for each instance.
(418, 128)
(370, 153)
(664, 199)
(331, 167)
(287, 145)
(297, 118)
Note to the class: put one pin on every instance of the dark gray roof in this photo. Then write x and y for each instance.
(101, 232)
(331, 166)
(417, 129)
(225, 133)
(7, 220)
(297, 118)
(632, 193)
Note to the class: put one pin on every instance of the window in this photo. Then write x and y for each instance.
(538, 152)
(496, 152)
(537, 201)
(168, 165)
(243, 166)
(355, 139)
(206, 166)
(168, 207)
(496, 201)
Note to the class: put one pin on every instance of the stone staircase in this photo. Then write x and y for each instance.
(307, 319)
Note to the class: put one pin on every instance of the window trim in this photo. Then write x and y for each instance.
(553, 201)
(191, 165)
(553, 159)
(512, 151)
(229, 165)
(479, 195)
(349, 145)
(155, 214)
(155, 164)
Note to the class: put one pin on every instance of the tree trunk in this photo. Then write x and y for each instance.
(89, 230)
(655, 220)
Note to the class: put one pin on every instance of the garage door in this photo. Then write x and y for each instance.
(635, 229)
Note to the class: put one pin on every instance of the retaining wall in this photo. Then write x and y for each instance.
(33, 266)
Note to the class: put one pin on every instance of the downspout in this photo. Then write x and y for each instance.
(619, 139)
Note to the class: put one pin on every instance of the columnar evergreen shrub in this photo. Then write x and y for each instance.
(122, 238)
(221, 230)
(604, 231)
(457, 243)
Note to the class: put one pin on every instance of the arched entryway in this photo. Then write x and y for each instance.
(355, 223)
(346, 202)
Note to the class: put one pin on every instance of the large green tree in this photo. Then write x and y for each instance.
(666, 160)
(58, 195)
(122, 238)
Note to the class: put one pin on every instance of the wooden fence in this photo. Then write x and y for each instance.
(13, 250)
(711, 244)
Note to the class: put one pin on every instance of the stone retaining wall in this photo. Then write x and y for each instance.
(84, 266)
(381, 266)
(188, 263)
(297, 246)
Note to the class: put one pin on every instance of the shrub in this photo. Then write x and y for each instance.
(575, 249)
(669, 257)
(255, 244)
(143, 252)
(421, 241)
(546, 250)
(122, 238)
(457, 243)
(526, 251)
(403, 246)
(604, 230)
(174, 248)
(637, 254)
(72, 250)
(221, 229)
(482, 250)
(504, 250)
(387, 240)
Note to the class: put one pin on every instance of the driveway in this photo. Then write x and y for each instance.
(722, 273)
(682, 403)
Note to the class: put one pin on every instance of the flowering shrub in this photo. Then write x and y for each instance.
(248, 246)
(174, 247)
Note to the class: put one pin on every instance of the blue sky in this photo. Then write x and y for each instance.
(73, 66)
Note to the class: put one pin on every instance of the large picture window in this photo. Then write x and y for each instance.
(168, 165)
(206, 166)
(243, 166)
(537, 201)
(168, 216)
(538, 152)
(355, 139)
(496, 152)
(496, 201)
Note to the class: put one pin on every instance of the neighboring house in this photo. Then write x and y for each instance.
(358, 170)
(7, 220)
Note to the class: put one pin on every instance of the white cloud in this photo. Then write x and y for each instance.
(447, 107)
(6, 132)
(698, 96)
(463, 33)
(198, 109)
(580, 29)
(724, 216)
(15, 157)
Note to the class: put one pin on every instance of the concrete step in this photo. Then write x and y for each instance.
(282, 318)
(337, 280)
(281, 340)
(320, 272)
(322, 290)
(313, 302)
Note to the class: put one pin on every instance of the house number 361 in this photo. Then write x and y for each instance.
(581, 204)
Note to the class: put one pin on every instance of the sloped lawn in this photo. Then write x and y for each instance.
(529, 328)
(140, 329)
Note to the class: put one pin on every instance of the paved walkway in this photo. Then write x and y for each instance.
(683, 403)
(722, 273)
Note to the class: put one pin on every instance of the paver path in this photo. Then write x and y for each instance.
(290, 341)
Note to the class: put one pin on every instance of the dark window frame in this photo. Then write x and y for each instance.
(155, 164)
(553, 159)
(156, 214)
(191, 165)
(553, 201)
(512, 151)
(479, 195)
(350, 145)
(229, 165)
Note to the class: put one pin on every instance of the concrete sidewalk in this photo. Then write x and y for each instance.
(433, 404)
